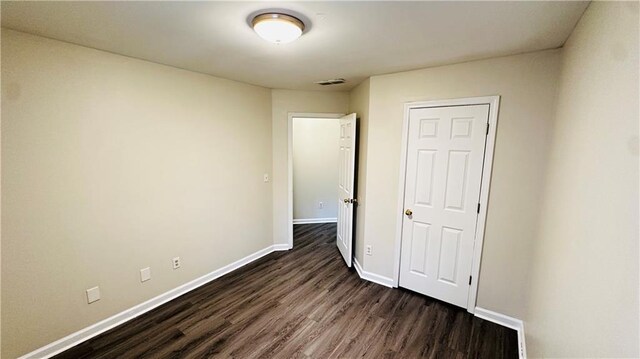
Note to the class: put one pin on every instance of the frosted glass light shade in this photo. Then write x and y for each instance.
(277, 28)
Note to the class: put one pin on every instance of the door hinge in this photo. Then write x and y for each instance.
(478, 207)
(470, 280)
(487, 128)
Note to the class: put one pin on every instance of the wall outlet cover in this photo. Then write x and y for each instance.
(176, 262)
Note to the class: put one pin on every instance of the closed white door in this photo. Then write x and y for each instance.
(346, 178)
(445, 156)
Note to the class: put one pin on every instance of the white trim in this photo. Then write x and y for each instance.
(494, 104)
(314, 220)
(281, 247)
(400, 212)
(357, 266)
(506, 321)
(372, 277)
(291, 116)
(498, 318)
(91, 331)
(489, 147)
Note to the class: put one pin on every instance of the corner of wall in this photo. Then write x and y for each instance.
(360, 104)
(572, 266)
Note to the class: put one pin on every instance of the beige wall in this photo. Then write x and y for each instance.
(315, 167)
(359, 103)
(112, 164)
(584, 292)
(284, 102)
(527, 86)
(99, 149)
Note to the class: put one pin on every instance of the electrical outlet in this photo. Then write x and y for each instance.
(266, 177)
(176, 262)
(145, 274)
(368, 250)
(93, 294)
(321, 205)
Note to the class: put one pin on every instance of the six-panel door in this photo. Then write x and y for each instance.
(346, 179)
(442, 189)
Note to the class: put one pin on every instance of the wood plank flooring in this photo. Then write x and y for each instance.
(303, 303)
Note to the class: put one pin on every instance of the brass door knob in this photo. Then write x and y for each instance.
(346, 200)
(408, 212)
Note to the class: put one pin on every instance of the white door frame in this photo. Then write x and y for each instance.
(293, 115)
(494, 104)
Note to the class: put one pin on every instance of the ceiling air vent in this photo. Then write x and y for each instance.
(330, 82)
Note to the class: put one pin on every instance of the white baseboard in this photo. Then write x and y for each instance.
(89, 332)
(314, 220)
(372, 277)
(505, 321)
(281, 247)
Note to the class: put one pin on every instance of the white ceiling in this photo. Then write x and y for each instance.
(353, 40)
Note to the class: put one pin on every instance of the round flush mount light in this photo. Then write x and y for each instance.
(277, 28)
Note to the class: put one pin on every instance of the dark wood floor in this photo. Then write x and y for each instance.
(298, 304)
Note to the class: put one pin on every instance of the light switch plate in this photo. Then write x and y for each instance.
(145, 274)
(266, 177)
(93, 294)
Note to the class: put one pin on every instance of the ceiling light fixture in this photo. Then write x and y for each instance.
(277, 28)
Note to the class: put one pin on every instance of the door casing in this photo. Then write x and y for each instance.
(293, 115)
(494, 104)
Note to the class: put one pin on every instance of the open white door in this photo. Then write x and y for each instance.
(346, 178)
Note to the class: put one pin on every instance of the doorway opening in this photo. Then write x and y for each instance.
(315, 170)
(321, 178)
(312, 169)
